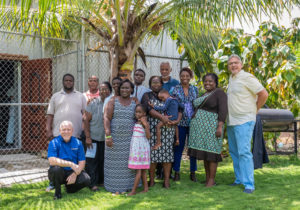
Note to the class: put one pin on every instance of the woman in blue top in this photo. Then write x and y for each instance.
(185, 94)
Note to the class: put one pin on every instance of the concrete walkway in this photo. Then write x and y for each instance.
(22, 169)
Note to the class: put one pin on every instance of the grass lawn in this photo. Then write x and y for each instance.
(277, 187)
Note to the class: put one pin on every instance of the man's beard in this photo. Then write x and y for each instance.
(68, 89)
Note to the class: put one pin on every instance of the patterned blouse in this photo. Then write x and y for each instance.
(187, 101)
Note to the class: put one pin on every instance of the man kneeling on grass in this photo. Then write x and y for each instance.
(67, 161)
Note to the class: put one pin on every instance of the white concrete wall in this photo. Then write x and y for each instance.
(95, 63)
(16, 46)
(164, 47)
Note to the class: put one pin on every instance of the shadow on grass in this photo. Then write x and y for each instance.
(277, 186)
(273, 190)
(277, 161)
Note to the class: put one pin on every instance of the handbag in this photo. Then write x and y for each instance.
(202, 104)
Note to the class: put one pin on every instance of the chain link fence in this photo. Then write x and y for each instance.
(97, 63)
(31, 71)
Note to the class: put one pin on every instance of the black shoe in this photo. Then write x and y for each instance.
(248, 191)
(57, 196)
(176, 177)
(94, 189)
(193, 177)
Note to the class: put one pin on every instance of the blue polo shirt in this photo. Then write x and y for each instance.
(71, 151)
(171, 83)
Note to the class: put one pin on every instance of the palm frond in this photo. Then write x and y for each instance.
(199, 43)
(222, 13)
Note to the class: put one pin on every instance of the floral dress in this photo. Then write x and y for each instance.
(139, 157)
(163, 154)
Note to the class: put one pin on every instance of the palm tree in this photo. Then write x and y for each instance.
(122, 25)
(196, 44)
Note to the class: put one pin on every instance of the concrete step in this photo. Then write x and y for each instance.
(23, 177)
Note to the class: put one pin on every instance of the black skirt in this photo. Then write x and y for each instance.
(203, 155)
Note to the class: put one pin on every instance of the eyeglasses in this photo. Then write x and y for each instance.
(231, 63)
(155, 82)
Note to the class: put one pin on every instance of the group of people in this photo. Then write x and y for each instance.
(130, 129)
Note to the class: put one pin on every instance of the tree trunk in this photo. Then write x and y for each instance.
(115, 66)
(114, 62)
(125, 74)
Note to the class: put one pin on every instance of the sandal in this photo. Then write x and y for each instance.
(164, 186)
(149, 185)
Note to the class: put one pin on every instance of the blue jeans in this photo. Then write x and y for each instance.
(183, 135)
(239, 141)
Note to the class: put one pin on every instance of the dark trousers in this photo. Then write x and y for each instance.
(58, 176)
(95, 166)
(183, 135)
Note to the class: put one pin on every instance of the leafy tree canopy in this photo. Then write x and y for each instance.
(270, 55)
(121, 25)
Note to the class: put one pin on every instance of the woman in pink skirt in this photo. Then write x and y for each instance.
(139, 158)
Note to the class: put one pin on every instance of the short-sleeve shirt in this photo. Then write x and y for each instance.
(187, 101)
(169, 84)
(242, 95)
(139, 91)
(95, 108)
(88, 95)
(71, 151)
(67, 106)
(216, 103)
(170, 107)
(106, 100)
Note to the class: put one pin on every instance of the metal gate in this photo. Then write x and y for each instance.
(30, 72)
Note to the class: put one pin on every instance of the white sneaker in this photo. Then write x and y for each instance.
(49, 188)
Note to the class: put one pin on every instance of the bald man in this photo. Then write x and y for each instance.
(168, 81)
(93, 92)
(67, 161)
